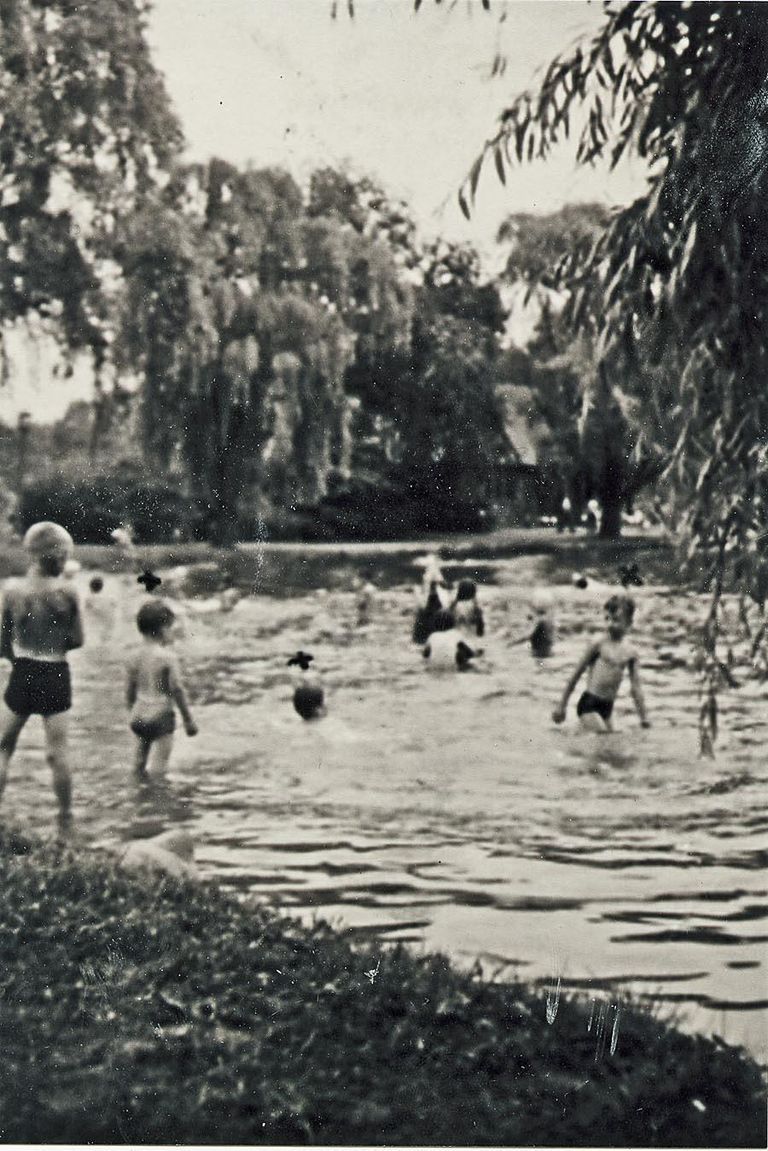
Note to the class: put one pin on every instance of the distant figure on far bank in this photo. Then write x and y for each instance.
(308, 695)
(604, 662)
(467, 613)
(446, 649)
(565, 518)
(594, 515)
(41, 623)
(155, 689)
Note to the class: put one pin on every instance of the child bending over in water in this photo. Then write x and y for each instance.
(605, 662)
(445, 649)
(467, 612)
(41, 622)
(154, 687)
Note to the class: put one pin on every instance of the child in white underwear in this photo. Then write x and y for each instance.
(155, 688)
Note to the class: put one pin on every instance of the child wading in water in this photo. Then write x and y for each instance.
(154, 687)
(41, 622)
(605, 662)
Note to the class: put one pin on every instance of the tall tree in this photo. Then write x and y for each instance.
(242, 364)
(585, 403)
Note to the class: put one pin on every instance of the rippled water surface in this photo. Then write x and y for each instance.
(446, 809)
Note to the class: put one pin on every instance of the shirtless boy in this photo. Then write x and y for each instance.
(154, 687)
(605, 662)
(41, 623)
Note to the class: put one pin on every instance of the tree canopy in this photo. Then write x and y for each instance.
(86, 127)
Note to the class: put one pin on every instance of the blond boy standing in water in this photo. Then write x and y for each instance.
(41, 623)
(605, 662)
(155, 688)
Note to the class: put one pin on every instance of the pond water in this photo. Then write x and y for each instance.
(447, 810)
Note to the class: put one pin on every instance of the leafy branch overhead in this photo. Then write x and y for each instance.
(674, 288)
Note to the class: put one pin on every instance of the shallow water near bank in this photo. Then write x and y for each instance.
(447, 810)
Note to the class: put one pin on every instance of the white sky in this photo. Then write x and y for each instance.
(397, 95)
(403, 97)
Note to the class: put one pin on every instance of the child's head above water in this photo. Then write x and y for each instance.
(49, 545)
(96, 584)
(154, 618)
(620, 610)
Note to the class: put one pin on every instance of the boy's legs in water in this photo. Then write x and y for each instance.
(141, 755)
(11, 726)
(160, 751)
(56, 746)
(594, 723)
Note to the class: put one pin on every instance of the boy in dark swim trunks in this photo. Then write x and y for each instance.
(41, 622)
(605, 662)
(154, 687)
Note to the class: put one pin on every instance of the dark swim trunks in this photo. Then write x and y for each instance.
(155, 728)
(39, 687)
(593, 703)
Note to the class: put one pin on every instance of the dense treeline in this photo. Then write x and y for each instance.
(293, 351)
(290, 346)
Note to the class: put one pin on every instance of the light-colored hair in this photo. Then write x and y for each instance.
(48, 539)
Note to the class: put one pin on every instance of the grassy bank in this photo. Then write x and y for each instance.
(165, 1012)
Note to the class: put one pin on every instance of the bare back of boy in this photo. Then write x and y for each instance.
(41, 623)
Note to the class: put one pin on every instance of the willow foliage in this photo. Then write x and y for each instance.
(675, 287)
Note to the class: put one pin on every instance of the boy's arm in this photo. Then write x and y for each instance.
(6, 630)
(586, 661)
(637, 691)
(76, 637)
(131, 685)
(179, 696)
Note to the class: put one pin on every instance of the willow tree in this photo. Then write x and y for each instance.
(241, 365)
(676, 284)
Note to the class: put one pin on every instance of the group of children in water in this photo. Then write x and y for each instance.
(443, 631)
(41, 623)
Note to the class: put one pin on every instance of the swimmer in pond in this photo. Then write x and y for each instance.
(605, 661)
(155, 688)
(542, 637)
(308, 695)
